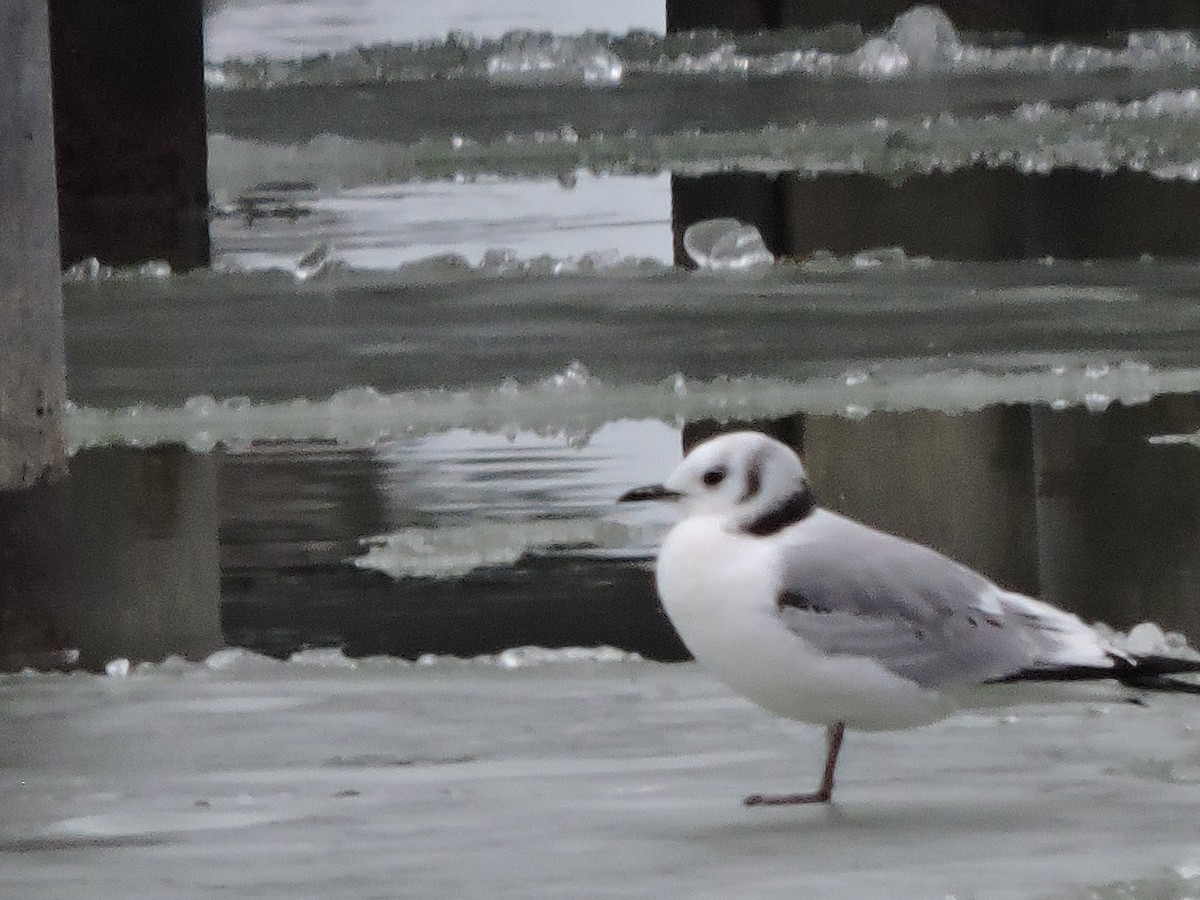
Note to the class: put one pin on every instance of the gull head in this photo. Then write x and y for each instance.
(743, 475)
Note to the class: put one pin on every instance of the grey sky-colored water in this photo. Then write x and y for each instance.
(278, 28)
(383, 227)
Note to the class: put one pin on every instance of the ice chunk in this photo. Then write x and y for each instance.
(323, 658)
(726, 244)
(313, 263)
(880, 58)
(921, 39)
(1170, 439)
(117, 668)
(453, 551)
(542, 58)
(1149, 639)
(1147, 49)
(239, 660)
(90, 269)
(724, 60)
(500, 260)
(215, 76)
(877, 257)
(524, 657)
(531, 656)
(927, 37)
(154, 268)
(575, 377)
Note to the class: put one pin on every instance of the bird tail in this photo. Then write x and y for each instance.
(1151, 673)
(1143, 673)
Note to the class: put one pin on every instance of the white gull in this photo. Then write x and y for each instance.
(820, 618)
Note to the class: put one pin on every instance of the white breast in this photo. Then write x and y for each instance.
(719, 589)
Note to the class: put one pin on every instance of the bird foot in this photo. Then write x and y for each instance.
(787, 799)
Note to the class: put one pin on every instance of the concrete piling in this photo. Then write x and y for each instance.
(1043, 19)
(130, 130)
(32, 375)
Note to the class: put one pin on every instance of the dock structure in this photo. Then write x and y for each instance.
(114, 552)
(1034, 18)
(33, 462)
(130, 130)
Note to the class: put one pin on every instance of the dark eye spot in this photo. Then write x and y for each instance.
(753, 481)
(713, 477)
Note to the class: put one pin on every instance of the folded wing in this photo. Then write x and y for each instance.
(849, 589)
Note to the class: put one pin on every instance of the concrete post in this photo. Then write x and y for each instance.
(144, 531)
(130, 130)
(971, 214)
(1119, 517)
(1044, 19)
(995, 214)
(960, 483)
(32, 379)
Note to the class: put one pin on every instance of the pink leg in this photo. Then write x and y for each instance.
(833, 743)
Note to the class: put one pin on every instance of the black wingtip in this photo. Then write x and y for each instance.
(648, 492)
(1164, 665)
(1161, 684)
(1142, 673)
(1149, 673)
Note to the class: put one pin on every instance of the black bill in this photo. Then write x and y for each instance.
(649, 492)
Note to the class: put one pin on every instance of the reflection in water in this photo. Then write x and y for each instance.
(290, 505)
(143, 554)
(469, 543)
(461, 505)
(963, 484)
(1119, 519)
(1074, 506)
(384, 226)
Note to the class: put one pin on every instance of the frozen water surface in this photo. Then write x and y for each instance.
(534, 59)
(434, 345)
(920, 41)
(364, 418)
(334, 778)
(1150, 130)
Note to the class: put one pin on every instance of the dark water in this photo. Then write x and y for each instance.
(498, 541)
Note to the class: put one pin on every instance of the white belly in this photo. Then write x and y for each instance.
(719, 590)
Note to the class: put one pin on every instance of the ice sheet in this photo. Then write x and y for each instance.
(1155, 132)
(364, 417)
(433, 339)
(566, 779)
(920, 41)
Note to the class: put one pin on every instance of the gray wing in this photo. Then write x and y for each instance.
(849, 589)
